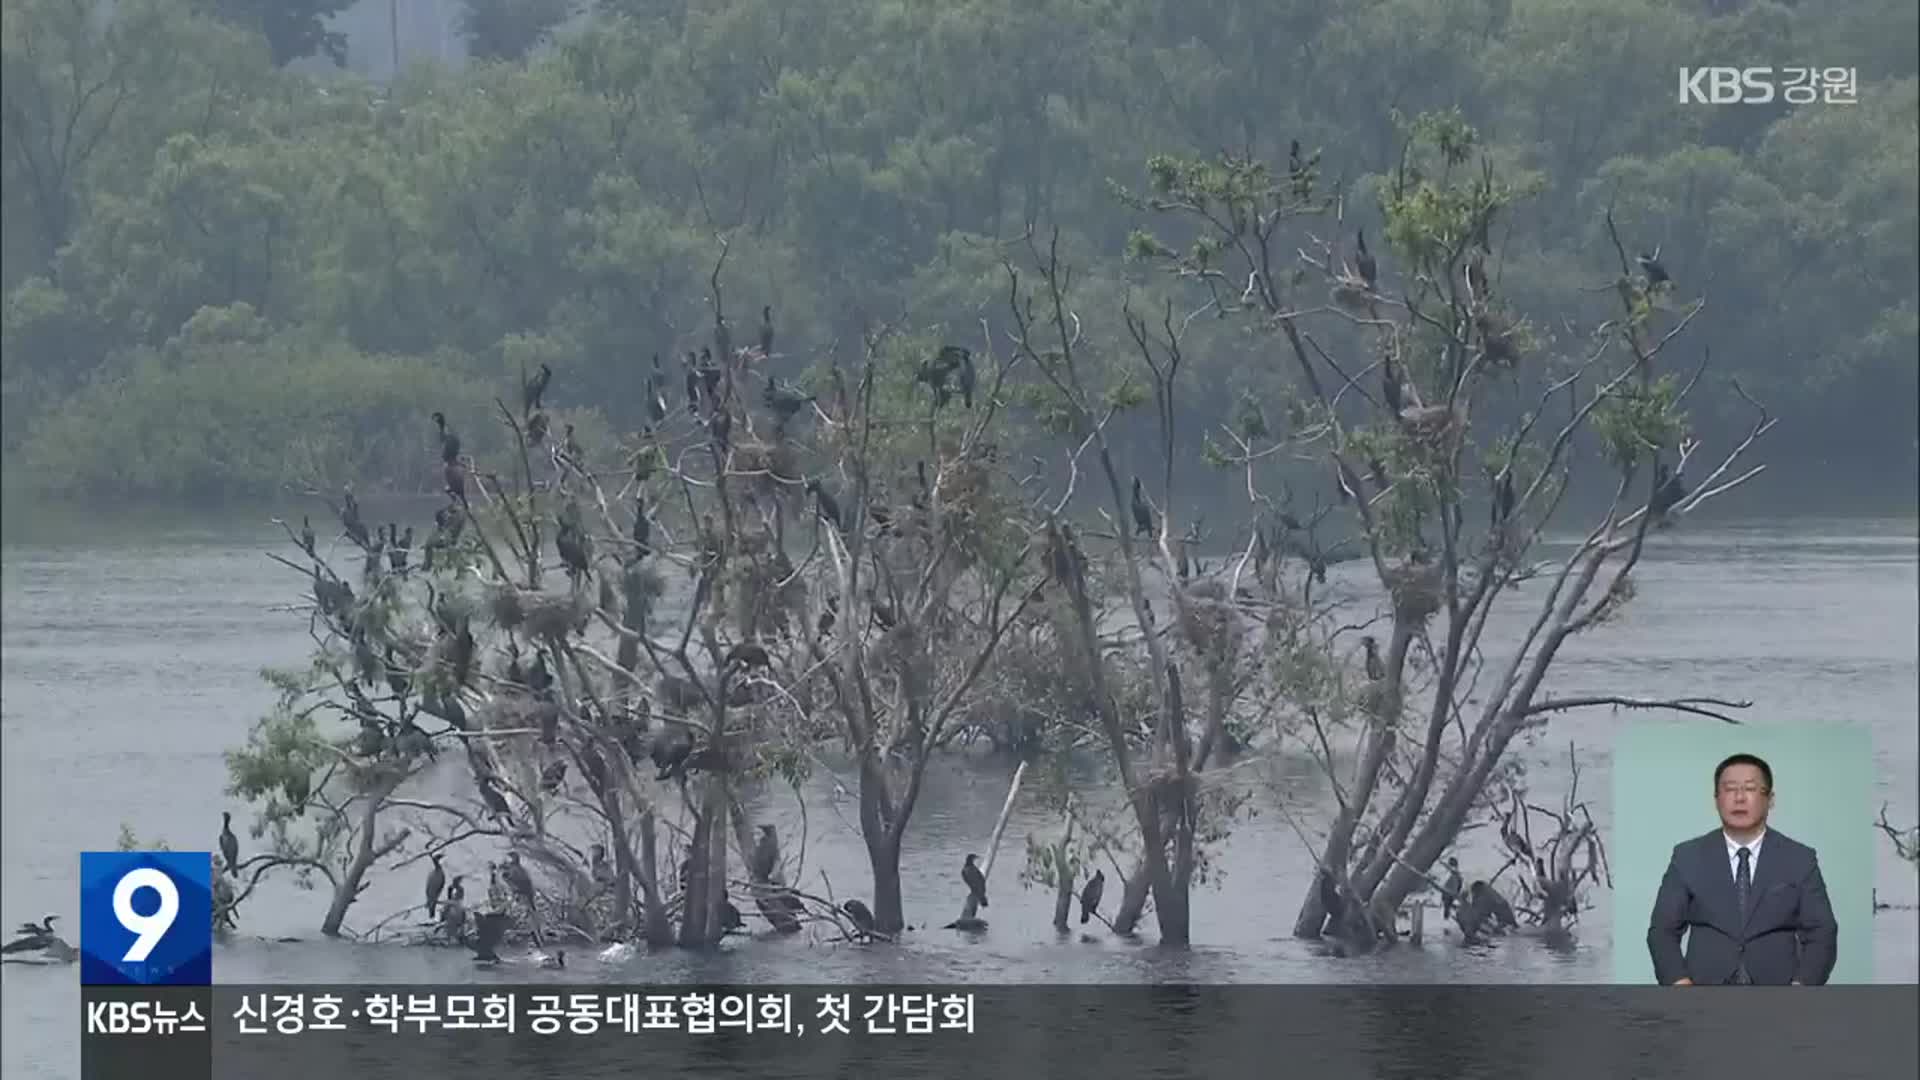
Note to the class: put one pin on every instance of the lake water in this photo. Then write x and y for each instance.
(131, 662)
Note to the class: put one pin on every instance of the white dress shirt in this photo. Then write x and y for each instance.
(1753, 854)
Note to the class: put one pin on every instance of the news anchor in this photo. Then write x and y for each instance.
(1749, 900)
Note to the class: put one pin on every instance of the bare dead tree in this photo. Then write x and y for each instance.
(1397, 431)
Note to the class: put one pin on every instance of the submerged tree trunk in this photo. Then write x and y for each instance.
(1064, 880)
(659, 928)
(365, 853)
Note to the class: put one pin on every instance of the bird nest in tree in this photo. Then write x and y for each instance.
(772, 464)
(1352, 294)
(1435, 425)
(544, 615)
(1206, 618)
(1416, 590)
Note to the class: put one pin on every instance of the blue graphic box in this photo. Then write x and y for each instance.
(146, 918)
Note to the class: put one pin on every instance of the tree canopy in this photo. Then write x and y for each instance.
(205, 250)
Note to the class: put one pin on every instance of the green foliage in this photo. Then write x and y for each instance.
(160, 158)
(1636, 422)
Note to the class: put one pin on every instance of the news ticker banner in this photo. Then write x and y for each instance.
(582, 1030)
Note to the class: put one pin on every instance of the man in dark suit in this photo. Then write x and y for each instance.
(1750, 901)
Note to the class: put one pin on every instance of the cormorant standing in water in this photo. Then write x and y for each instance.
(1650, 265)
(1450, 887)
(1142, 512)
(555, 962)
(1668, 489)
(1369, 269)
(1332, 900)
(537, 388)
(488, 930)
(862, 917)
(517, 879)
(1090, 894)
(1483, 904)
(436, 881)
(1376, 670)
(229, 843)
(306, 535)
(976, 881)
(765, 857)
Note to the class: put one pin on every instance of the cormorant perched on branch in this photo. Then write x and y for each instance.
(642, 526)
(517, 879)
(766, 330)
(748, 654)
(1300, 171)
(1142, 511)
(436, 882)
(975, 880)
(968, 378)
(553, 776)
(229, 843)
(449, 442)
(1369, 269)
(540, 680)
(923, 496)
(536, 389)
(720, 426)
(1390, 387)
(1376, 670)
(693, 386)
(709, 376)
(935, 372)
(861, 916)
(1090, 894)
(1650, 265)
(783, 401)
(1668, 489)
(307, 541)
(351, 522)
(672, 745)
(656, 392)
(399, 548)
(1503, 498)
(829, 506)
(765, 857)
(490, 794)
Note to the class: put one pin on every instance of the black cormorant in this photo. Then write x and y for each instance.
(1450, 887)
(829, 506)
(1650, 265)
(576, 455)
(783, 401)
(491, 795)
(517, 879)
(1142, 511)
(457, 889)
(1376, 670)
(553, 776)
(453, 917)
(229, 843)
(537, 427)
(1090, 894)
(602, 869)
(489, 928)
(765, 858)
(536, 389)
(693, 386)
(968, 378)
(1390, 388)
(33, 936)
(555, 962)
(748, 654)
(720, 427)
(436, 882)
(1503, 498)
(351, 522)
(1668, 489)
(449, 442)
(671, 748)
(455, 474)
(540, 680)
(730, 919)
(862, 917)
(976, 881)
(766, 330)
(1369, 269)
(307, 541)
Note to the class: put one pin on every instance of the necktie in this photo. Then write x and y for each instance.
(1742, 887)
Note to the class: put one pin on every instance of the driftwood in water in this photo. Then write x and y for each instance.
(970, 911)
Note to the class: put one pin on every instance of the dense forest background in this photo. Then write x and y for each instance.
(251, 243)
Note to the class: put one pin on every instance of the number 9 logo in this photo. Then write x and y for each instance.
(148, 930)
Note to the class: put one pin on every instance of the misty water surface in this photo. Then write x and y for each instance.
(131, 662)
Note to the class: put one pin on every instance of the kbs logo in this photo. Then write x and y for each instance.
(146, 918)
(1764, 85)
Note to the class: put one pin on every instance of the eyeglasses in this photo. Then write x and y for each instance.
(1735, 789)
